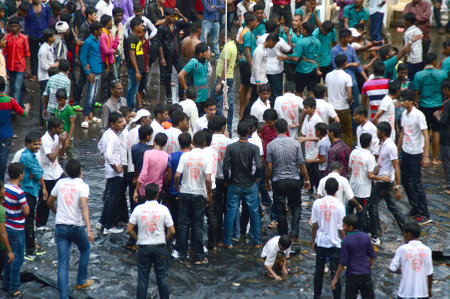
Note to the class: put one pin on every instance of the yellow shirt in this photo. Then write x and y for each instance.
(231, 55)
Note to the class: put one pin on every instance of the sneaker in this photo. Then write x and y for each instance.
(98, 226)
(85, 125)
(412, 214)
(112, 230)
(376, 241)
(40, 251)
(77, 108)
(325, 269)
(423, 220)
(96, 120)
(87, 284)
(42, 228)
(30, 257)
(175, 255)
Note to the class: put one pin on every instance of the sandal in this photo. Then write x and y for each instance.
(272, 224)
(17, 294)
(204, 261)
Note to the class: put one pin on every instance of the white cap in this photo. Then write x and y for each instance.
(354, 32)
(140, 114)
(61, 27)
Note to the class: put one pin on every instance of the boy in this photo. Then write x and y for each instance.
(32, 178)
(323, 147)
(180, 122)
(134, 55)
(161, 115)
(60, 80)
(275, 253)
(345, 192)
(374, 90)
(262, 103)
(366, 126)
(16, 210)
(65, 113)
(326, 34)
(189, 107)
(358, 255)
(386, 110)
(5, 247)
(415, 55)
(323, 108)
(108, 48)
(413, 260)
(288, 107)
(210, 108)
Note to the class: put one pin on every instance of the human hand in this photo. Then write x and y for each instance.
(307, 185)
(28, 73)
(27, 106)
(163, 62)
(44, 194)
(267, 186)
(385, 178)
(277, 278)
(90, 235)
(11, 257)
(91, 78)
(44, 114)
(138, 77)
(359, 208)
(426, 160)
(218, 88)
(282, 57)
(398, 194)
(285, 271)
(333, 284)
(135, 196)
(301, 139)
(63, 137)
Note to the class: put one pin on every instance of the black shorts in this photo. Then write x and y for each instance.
(432, 122)
(309, 80)
(246, 73)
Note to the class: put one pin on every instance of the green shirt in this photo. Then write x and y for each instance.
(446, 65)
(428, 82)
(389, 66)
(325, 46)
(260, 30)
(294, 38)
(2, 220)
(312, 19)
(65, 115)
(355, 17)
(249, 41)
(231, 56)
(199, 72)
(308, 46)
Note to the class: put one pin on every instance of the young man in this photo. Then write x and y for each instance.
(270, 255)
(262, 103)
(196, 168)
(355, 14)
(91, 63)
(180, 124)
(108, 49)
(377, 9)
(375, 89)
(358, 255)
(323, 108)
(113, 104)
(445, 135)
(422, 12)
(189, 107)
(57, 81)
(309, 13)
(118, 30)
(339, 151)
(323, 147)
(388, 168)
(210, 107)
(366, 126)
(386, 110)
(327, 231)
(210, 23)
(258, 11)
(415, 55)
(414, 144)
(288, 107)
(104, 7)
(188, 44)
(134, 55)
(59, 45)
(65, 113)
(152, 220)
(17, 209)
(339, 89)
(413, 260)
(326, 34)
(345, 193)
(161, 115)
(72, 195)
(427, 86)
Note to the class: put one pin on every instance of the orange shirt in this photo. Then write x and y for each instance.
(16, 50)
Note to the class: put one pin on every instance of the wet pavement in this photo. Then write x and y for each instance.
(238, 272)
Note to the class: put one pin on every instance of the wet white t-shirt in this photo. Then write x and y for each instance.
(413, 124)
(361, 162)
(370, 128)
(325, 110)
(387, 105)
(344, 193)
(220, 143)
(172, 144)
(68, 192)
(271, 250)
(328, 213)
(194, 165)
(215, 158)
(388, 152)
(288, 107)
(52, 170)
(308, 130)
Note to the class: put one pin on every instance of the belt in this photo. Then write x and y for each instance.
(68, 225)
(155, 245)
(201, 86)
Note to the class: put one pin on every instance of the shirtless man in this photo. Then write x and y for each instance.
(189, 43)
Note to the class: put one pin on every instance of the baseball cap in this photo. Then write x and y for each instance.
(140, 114)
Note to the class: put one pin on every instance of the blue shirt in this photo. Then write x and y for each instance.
(355, 17)
(137, 155)
(31, 163)
(325, 46)
(90, 54)
(309, 47)
(210, 13)
(35, 26)
(351, 57)
(174, 160)
(428, 83)
(356, 250)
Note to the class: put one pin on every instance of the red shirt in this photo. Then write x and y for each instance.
(170, 3)
(268, 135)
(16, 50)
(281, 2)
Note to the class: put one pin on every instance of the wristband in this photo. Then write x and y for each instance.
(397, 187)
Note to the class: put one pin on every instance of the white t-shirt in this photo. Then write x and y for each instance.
(52, 170)
(215, 158)
(388, 153)
(258, 109)
(323, 146)
(172, 144)
(18, 154)
(416, 264)
(151, 219)
(288, 107)
(109, 145)
(361, 163)
(413, 124)
(387, 105)
(194, 165)
(308, 130)
(191, 110)
(374, 6)
(328, 213)
(325, 110)
(274, 65)
(344, 193)
(200, 124)
(370, 128)
(123, 136)
(132, 139)
(157, 128)
(337, 82)
(270, 251)
(68, 192)
(220, 143)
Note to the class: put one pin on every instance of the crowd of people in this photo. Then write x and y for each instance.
(370, 118)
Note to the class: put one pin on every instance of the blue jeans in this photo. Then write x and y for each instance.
(191, 211)
(91, 94)
(5, 145)
(11, 274)
(149, 255)
(17, 79)
(376, 24)
(116, 67)
(213, 28)
(131, 89)
(250, 195)
(219, 100)
(112, 195)
(65, 235)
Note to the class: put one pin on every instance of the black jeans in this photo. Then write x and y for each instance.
(290, 71)
(285, 12)
(221, 196)
(35, 44)
(290, 190)
(79, 85)
(253, 97)
(106, 78)
(362, 216)
(359, 283)
(411, 174)
(213, 225)
(166, 72)
(30, 244)
(112, 199)
(190, 216)
(313, 172)
(42, 209)
(276, 83)
(42, 87)
(149, 255)
(122, 207)
(413, 69)
(322, 254)
(325, 70)
(383, 191)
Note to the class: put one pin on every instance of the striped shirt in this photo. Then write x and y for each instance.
(375, 89)
(14, 201)
(7, 105)
(211, 9)
(415, 52)
(56, 82)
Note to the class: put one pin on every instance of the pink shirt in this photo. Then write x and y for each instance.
(108, 46)
(153, 169)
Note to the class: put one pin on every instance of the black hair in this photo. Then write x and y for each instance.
(24, 6)
(273, 37)
(331, 186)
(344, 33)
(394, 86)
(429, 58)
(137, 6)
(174, 107)
(336, 129)
(105, 19)
(217, 122)
(168, 11)
(402, 67)
(365, 140)
(117, 10)
(201, 48)
(321, 128)
(244, 128)
(47, 34)
(64, 16)
(413, 228)
(257, 6)
(445, 84)
(125, 110)
(160, 139)
(271, 25)
(385, 127)
(54, 123)
(384, 51)
(184, 139)
(64, 65)
(410, 17)
(285, 241)
(95, 26)
(361, 110)
(209, 102)
(270, 114)
(32, 137)
(2, 84)
(253, 120)
(378, 68)
(208, 136)
(177, 117)
(114, 83)
(351, 220)
(56, 6)
(319, 91)
(73, 168)
(274, 16)
(196, 26)
(310, 102)
(249, 17)
(336, 165)
(159, 109)
(281, 125)
(264, 87)
(144, 132)
(191, 93)
(327, 26)
(340, 60)
(199, 139)
(114, 116)
(135, 22)
(446, 44)
(289, 86)
(89, 11)
(308, 27)
(151, 191)
(15, 170)
(359, 26)
(61, 93)
(407, 95)
(15, 20)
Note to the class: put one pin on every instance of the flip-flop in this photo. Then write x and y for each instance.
(204, 261)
